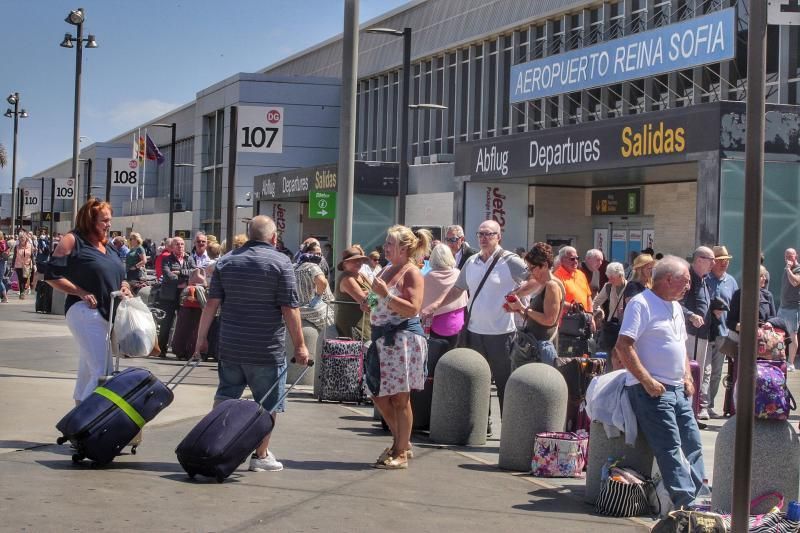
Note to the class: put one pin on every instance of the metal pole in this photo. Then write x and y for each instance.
(231, 206)
(753, 191)
(14, 168)
(88, 179)
(172, 179)
(347, 130)
(41, 208)
(77, 120)
(108, 180)
(402, 185)
(52, 202)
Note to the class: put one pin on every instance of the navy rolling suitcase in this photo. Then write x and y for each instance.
(44, 297)
(226, 436)
(114, 414)
(108, 420)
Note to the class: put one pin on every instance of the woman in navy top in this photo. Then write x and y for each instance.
(88, 270)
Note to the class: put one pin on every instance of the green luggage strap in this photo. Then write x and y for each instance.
(120, 402)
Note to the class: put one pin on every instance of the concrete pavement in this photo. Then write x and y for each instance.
(327, 485)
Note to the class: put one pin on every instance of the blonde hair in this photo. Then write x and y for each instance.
(239, 240)
(214, 250)
(416, 243)
(135, 235)
(442, 258)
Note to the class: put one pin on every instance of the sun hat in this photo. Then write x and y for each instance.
(354, 253)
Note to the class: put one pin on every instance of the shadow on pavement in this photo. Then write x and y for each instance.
(27, 446)
(552, 500)
(145, 466)
(325, 465)
(480, 467)
(183, 477)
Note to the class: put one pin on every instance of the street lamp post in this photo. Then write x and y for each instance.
(172, 127)
(402, 185)
(16, 114)
(76, 18)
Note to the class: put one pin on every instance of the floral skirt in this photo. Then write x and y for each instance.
(403, 364)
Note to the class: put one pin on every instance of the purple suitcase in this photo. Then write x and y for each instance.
(226, 436)
(697, 377)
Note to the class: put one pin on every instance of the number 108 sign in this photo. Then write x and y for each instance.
(124, 172)
(260, 129)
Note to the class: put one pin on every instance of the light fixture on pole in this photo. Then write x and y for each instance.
(76, 17)
(402, 185)
(16, 114)
(172, 127)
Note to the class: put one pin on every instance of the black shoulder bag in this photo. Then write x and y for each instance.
(463, 336)
(610, 330)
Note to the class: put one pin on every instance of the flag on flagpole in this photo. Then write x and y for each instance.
(153, 153)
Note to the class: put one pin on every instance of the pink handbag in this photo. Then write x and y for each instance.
(560, 454)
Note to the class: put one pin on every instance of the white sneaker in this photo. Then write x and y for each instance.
(267, 464)
(703, 414)
(790, 367)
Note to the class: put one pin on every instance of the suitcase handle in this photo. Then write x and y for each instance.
(115, 362)
(182, 373)
(289, 389)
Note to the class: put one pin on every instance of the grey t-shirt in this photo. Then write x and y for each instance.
(790, 295)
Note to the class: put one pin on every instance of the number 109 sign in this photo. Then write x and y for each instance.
(260, 129)
(124, 172)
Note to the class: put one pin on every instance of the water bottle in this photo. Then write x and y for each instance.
(601, 355)
(703, 500)
(604, 471)
(793, 511)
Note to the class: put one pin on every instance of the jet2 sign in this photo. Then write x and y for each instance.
(260, 129)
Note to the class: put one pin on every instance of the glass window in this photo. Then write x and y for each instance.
(370, 212)
(780, 221)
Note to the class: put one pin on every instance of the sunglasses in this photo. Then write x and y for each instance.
(485, 234)
(452, 239)
(572, 259)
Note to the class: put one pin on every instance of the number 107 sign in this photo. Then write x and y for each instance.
(260, 129)
(124, 172)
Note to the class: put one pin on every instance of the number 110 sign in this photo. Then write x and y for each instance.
(260, 129)
(124, 172)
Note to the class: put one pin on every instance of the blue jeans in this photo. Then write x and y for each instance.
(233, 378)
(668, 424)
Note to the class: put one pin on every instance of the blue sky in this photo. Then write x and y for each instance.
(153, 55)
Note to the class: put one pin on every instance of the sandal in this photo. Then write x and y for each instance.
(387, 453)
(394, 463)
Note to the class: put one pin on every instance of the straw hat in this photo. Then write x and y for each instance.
(353, 253)
(642, 260)
(721, 252)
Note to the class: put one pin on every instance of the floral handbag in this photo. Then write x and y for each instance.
(559, 454)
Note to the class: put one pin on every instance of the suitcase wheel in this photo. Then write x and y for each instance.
(77, 458)
(61, 440)
(133, 449)
(191, 475)
(220, 478)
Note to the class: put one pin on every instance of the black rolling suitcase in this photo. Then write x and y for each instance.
(226, 436)
(44, 297)
(114, 414)
(421, 400)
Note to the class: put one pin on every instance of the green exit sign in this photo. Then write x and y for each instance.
(322, 204)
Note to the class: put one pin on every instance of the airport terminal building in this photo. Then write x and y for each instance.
(616, 124)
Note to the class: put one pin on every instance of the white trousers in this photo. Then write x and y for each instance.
(89, 329)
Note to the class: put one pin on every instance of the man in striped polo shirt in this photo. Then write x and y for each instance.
(256, 290)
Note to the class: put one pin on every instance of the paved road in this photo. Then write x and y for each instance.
(327, 484)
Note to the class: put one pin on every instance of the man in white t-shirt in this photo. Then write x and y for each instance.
(652, 346)
(490, 328)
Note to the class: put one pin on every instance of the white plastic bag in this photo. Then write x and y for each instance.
(134, 330)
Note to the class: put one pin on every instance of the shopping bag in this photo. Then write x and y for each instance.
(134, 330)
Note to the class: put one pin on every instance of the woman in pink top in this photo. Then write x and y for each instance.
(23, 261)
(445, 320)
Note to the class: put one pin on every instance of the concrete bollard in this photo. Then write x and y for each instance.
(313, 342)
(535, 401)
(59, 302)
(775, 467)
(639, 457)
(460, 407)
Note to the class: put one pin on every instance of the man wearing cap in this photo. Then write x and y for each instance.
(721, 287)
(789, 310)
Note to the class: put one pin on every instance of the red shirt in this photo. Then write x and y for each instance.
(159, 261)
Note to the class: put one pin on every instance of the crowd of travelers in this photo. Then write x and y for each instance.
(650, 317)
